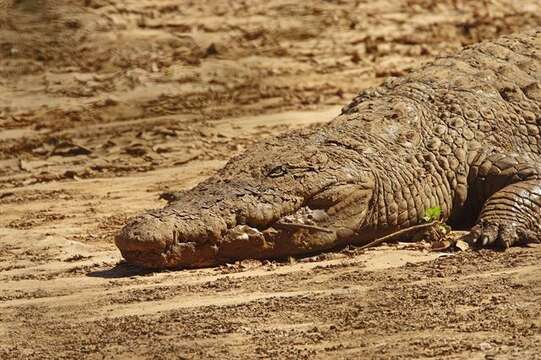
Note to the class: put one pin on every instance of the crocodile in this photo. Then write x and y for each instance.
(461, 133)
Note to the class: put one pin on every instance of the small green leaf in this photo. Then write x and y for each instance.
(432, 214)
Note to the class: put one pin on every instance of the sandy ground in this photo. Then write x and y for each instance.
(105, 107)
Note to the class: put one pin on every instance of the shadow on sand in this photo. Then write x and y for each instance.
(121, 270)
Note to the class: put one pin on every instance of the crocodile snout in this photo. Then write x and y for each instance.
(165, 241)
(174, 238)
(169, 238)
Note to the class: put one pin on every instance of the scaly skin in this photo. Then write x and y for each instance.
(461, 133)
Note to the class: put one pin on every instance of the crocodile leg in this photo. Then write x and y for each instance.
(510, 186)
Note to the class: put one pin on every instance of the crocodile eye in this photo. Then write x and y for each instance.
(277, 171)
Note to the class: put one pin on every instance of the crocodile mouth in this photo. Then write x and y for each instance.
(155, 242)
(172, 238)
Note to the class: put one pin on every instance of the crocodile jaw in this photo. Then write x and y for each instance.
(161, 240)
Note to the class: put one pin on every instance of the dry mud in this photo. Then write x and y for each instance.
(105, 105)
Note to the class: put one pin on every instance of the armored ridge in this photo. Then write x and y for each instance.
(461, 134)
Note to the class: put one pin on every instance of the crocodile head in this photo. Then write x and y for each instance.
(273, 201)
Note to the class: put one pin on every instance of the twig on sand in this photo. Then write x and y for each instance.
(401, 232)
(303, 226)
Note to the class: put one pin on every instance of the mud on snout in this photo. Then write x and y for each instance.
(216, 232)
